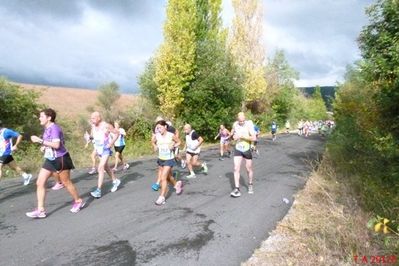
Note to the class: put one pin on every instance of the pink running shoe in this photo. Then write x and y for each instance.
(179, 187)
(58, 186)
(77, 206)
(36, 214)
(160, 201)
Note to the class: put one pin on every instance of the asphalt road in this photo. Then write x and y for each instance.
(203, 226)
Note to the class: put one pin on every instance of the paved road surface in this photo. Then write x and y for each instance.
(203, 226)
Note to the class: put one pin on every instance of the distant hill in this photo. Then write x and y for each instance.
(72, 102)
(327, 92)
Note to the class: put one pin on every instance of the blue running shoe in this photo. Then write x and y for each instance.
(96, 193)
(155, 186)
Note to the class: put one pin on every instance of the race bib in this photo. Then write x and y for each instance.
(242, 146)
(49, 154)
(165, 152)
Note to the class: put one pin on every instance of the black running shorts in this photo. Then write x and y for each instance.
(119, 149)
(6, 159)
(246, 154)
(59, 164)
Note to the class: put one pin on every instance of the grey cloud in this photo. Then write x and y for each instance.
(319, 37)
(79, 43)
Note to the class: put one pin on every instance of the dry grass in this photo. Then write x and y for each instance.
(72, 102)
(325, 226)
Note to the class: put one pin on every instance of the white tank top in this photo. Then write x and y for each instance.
(245, 131)
(164, 143)
(101, 137)
(191, 144)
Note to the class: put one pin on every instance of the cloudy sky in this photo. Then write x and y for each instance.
(85, 43)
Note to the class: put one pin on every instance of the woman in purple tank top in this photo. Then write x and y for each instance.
(57, 160)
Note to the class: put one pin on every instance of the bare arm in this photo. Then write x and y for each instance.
(19, 139)
(154, 143)
(52, 144)
(176, 140)
(114, 131)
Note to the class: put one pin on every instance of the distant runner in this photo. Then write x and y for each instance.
(254, 147)
(274, 130)
(93, 156)
(119, 147)
(224, 135)
(193, 143)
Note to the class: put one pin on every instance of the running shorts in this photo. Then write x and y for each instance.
(246, 154)
(119, 149)
(59, 164)
(6, 159)
(170, 162)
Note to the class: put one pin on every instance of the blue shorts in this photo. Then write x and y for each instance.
(104, 152)
(170, 163)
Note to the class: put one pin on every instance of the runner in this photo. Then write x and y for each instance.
(193, 149)
(243, 133)
(306, 128)
(287, 126)
(57, 160)
(165, 142)
(274, 130)
(300, 128)
(101, 131)
(255, 143)
(6, 149)
(93, 156)
(155, 186)
(119, 147)
(224, 135)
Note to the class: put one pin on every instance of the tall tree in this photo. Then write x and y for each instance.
(247, 47)
(215, 95)
(175, 61)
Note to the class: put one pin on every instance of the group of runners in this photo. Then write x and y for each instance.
(104, 136)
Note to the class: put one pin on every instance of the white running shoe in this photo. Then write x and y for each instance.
(191, 176)
(115, 185)
(27, 178)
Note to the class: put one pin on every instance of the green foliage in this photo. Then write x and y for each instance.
(283, 103)
(141, 128)
(174, 63)
(215, 96)
(147, 83)
(365, 143)
(108, 95)
(19, 108)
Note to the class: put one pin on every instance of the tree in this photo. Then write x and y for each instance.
(19, 108)
(108, 95)
(215, 95)
(247, 48)
(174, 63)
(279, 76)
(380, 49)
(147, 83)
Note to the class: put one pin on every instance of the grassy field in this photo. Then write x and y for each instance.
(72, 102)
